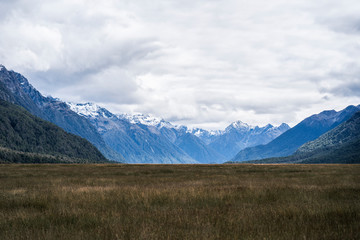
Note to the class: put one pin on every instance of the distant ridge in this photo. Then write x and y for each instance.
(137, 142)
(142, 138)
(339, 145)
(240, 135)
(307, 130)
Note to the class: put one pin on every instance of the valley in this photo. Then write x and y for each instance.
(179, 120)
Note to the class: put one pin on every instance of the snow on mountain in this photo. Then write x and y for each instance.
(274, 131)
(85, 109)
(136, 137)
(140, 119)
(90, 110)
(207, 136)
(146, 119)
(199, 132)
(239, 125)
(239, 135)
(211, 144)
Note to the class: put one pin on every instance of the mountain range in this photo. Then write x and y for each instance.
(137, 142)
(307, 130)
(339, 145)
(240, 135)
(140, 138)
(134, 138)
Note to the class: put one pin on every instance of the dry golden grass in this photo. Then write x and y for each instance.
(179, 202)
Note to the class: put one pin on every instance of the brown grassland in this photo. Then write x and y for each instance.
(112, 201)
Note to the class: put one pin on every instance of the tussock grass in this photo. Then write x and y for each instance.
(179, 201)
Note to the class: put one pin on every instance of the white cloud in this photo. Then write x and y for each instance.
(202, 63)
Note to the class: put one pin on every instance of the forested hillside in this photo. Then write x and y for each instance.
(26, 138)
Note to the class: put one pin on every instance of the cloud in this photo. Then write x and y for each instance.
(203, 63)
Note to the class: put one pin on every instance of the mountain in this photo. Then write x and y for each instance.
(197, 149)
(206, 136)
(26, 138)
(307, 130)
(139, 138)
(200, 145)
(137, 142)
(16, 89)
(211, 146)
(181, 136)
(339, 145)
(239, 135)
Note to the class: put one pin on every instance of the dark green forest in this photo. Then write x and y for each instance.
(26, 138)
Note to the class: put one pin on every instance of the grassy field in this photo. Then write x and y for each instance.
(179, 202)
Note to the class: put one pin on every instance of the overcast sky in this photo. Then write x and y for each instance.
(202, 63)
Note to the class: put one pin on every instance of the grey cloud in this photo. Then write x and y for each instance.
(349, 25)
(342, 18)
(348, 89)
(346, 81)
(204, 63)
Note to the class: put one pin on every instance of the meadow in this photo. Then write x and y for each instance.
(113, 201)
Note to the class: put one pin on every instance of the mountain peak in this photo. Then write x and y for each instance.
(239, 125)
(284, 125)
(330, 117)
(146, 119)
(268, 126)
(351, 108)
(199, 132)
(88, 109)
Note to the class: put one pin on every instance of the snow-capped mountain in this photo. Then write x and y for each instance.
(137, 137)
(239, 135)
(147, 120)
(199, 132)
(207, 136)
(89, 110)
(239, 126)
(146, 139)
(199, 144)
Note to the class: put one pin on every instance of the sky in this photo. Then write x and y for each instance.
(202, 63)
